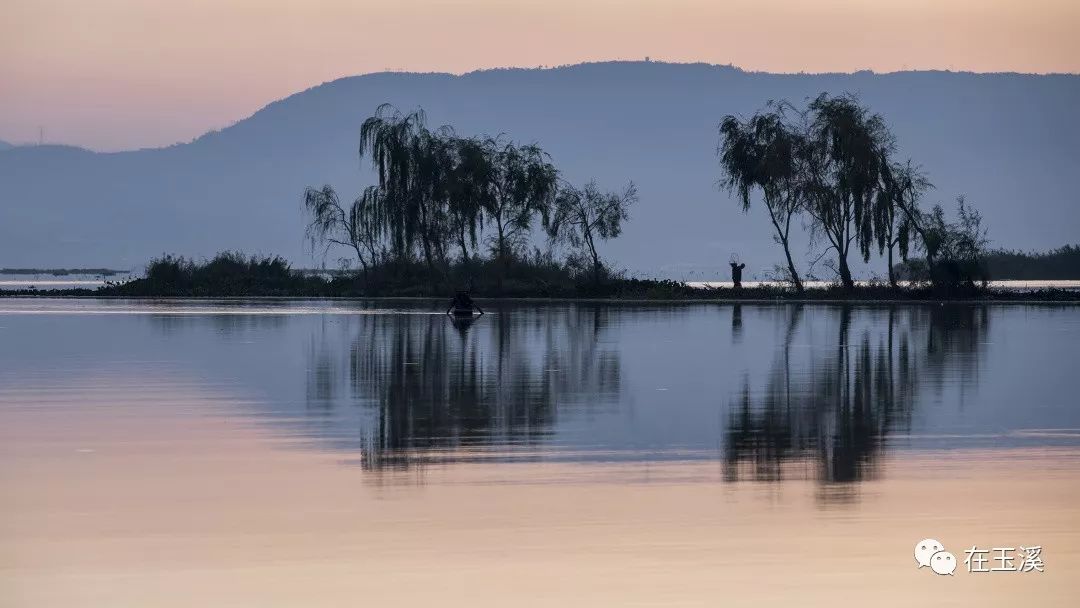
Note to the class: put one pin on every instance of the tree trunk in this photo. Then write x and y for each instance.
(502, 247)
(791, 267)
(464, 248)
(892, 273)
(501, 252)
(783, 235)
(587, 234)
(845, 272)
(374, 256)
(363, 264)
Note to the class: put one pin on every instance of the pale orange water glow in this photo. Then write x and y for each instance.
(204, 508)
(116, 74)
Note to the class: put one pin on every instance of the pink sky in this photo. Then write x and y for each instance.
(118, 74)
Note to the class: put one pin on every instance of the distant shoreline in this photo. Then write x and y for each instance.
(61, 272)
(870, 296)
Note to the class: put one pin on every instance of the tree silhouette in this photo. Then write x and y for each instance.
(583, 216)
(439, 186)
(896, 208)
(845, 150)
(412, 164)
(954, 250)
(360, 227)
(437, 191)
(762, 153)
(469, 181)
(520, 183)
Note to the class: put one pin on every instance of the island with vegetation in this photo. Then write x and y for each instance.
(495, 217)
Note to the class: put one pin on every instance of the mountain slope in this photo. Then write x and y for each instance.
(1004, 140)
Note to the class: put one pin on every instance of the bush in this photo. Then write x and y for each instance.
(227, 274)
(539, 274)
(955, 250)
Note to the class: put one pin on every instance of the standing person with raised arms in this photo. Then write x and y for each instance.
(736, 271)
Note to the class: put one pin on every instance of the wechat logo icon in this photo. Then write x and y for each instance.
(932, 553)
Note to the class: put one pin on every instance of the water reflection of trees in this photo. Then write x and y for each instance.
(438, 390)
(835, 407)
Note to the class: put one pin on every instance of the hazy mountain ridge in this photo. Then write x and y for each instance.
(1005, 140)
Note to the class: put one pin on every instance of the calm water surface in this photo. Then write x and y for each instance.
(301, 453)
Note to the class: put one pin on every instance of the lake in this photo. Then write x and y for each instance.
(333, 453)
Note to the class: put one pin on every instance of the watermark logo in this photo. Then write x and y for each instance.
(931, 553)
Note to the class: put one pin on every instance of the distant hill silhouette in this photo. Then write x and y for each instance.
(5, 145)
(1007, 141)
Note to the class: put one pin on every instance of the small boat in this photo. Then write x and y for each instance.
(462, 311)
(462, 306)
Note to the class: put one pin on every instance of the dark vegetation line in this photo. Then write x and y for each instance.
(494, 216)
(1062, 263)
(232, 274)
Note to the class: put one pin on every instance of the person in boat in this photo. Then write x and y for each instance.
(462, 304)
(736, 273)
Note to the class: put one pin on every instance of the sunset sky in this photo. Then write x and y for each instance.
(118, 74)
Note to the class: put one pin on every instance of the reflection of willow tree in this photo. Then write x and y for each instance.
(437, 390)
(840, 414)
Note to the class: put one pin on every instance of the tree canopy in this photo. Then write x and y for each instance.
(834, 164)
(586, 215)
(438, 192)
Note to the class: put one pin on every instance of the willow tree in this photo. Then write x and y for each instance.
(411, 164)
(359, 227)
(434, 159)
(520, 185)
(584, 216)
(896, 210)
(845, 148)
(468, 188)
(761, 153)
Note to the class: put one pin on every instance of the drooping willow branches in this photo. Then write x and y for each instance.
(833, 163)
(436, 195)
